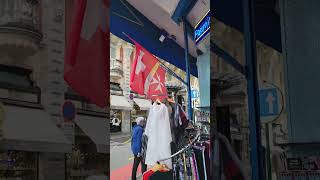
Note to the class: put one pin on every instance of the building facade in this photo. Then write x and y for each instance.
(37, 142)
(127, 105)
(231, 90)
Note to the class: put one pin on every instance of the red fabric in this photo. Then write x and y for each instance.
(184, 118)
(87, 52)
(147, 174)
(147, 76)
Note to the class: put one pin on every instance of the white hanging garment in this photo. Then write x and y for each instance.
(159, 135)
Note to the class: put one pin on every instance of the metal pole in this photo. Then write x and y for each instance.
(253, 91)
(171, 72)
(268, 161)
(186, 54)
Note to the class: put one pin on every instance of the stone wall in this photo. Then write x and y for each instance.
(270, 68)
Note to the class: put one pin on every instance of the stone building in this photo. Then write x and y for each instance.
(127, 105)
(232, 89)
(32, 92)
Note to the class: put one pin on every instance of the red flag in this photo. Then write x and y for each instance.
(147, 76)
(87, 52)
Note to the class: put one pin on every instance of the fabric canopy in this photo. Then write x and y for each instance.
(119, 102)
(97, 130)
(143, 104)
(126, 19)
(29, 129)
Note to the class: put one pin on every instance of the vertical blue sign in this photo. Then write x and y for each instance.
(202, 28)
(194, 94)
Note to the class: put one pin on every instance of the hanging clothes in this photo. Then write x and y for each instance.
(179, 122)
(144, 147)
(200, 163)
(194, 167)
(157, 169)
(161, 176)
(171, 118)
(204, 164)
(159, 135)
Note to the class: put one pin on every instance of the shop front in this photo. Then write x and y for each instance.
(202, 36)
(90, 154)
(33, 148)
(120, 114)
(141, 107)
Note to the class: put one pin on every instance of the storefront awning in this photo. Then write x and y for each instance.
(267, 19)
(125, 18)
(28, 129)
(119, 102)
(143, 104)
(96, 129)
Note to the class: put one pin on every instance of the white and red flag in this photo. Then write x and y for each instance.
(86, 67)
(147, 76)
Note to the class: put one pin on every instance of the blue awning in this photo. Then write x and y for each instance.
(125, 18)
(268, 30)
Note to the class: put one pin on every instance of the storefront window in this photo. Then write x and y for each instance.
(81, 164)
(18, 165)
(137, 113)
(115, 120)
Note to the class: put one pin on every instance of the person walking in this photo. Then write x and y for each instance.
(136, 144)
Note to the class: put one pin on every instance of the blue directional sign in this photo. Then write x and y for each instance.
(194, 94)
(269, 104)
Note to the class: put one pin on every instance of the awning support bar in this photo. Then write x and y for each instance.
(227, 57)
(166, 68)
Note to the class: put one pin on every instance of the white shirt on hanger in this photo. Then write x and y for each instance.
(159, 135)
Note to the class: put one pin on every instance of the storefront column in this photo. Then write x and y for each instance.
(126, 122)
(52, 166)
(203, 64)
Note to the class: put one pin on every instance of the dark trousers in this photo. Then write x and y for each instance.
(137, 160)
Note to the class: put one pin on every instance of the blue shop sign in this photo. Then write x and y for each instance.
(202, 28)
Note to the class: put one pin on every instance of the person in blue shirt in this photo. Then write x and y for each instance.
(136, 144)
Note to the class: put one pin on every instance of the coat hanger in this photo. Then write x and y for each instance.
(158, 101)
(171, 100)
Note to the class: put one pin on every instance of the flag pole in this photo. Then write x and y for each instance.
(171, 72)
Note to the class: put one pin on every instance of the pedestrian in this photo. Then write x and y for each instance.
(136, 144)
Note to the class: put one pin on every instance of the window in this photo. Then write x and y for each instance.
(113, 52)
(15, 76)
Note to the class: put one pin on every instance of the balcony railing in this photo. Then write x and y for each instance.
(20, 13)
(116, 67)
(20, 26)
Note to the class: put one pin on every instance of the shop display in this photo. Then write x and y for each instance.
(183, 150)
(18, 165)
(159, 136)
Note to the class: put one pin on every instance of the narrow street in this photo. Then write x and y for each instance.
(121, 157)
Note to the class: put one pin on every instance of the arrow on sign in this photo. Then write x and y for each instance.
(270, 100)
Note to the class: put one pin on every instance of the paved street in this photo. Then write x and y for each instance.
(121, 158)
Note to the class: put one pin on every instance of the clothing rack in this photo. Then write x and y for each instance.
(197, 138)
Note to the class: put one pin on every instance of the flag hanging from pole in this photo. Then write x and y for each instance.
(86, 68)
(147, 76)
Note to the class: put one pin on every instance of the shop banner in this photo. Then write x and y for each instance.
(203, 116)
(300, 168)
